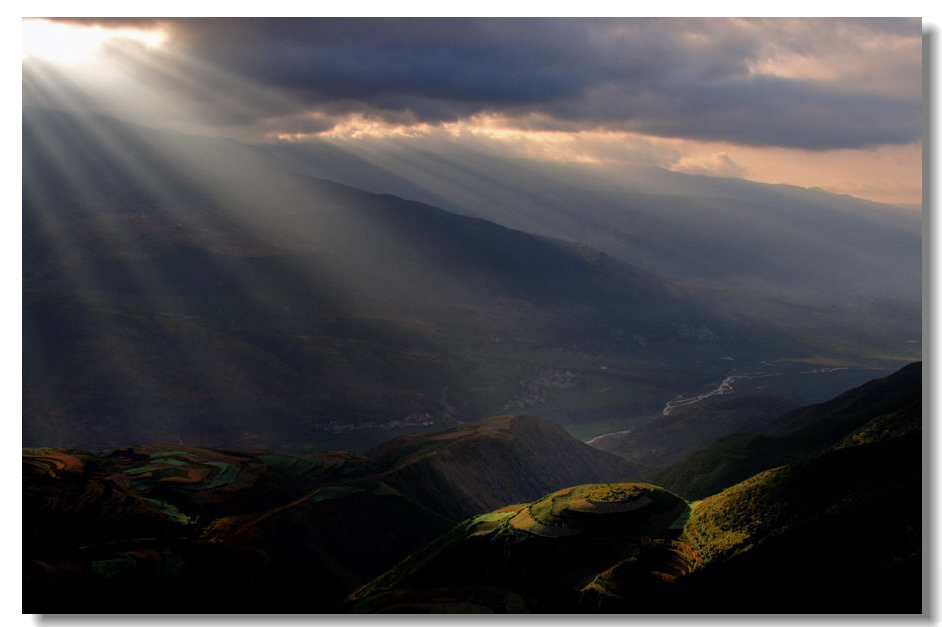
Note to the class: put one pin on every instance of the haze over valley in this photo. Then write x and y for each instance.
(285, 308)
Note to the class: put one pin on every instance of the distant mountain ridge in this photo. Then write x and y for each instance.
(692, 227)
(831, 271)
(181, 288)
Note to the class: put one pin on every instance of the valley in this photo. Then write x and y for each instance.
(171, 311)
(794, 379)
(725, 387)
(600, 392)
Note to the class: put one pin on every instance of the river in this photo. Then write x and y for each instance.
(725, 387)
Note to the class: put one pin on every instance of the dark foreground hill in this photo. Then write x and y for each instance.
(838, 532)
(537, 557)
(186, 529)
(480, 466)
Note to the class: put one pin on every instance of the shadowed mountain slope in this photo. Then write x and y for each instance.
(824, 264)
(670, 439)
(481, 466)
(182, 288)
(535, 557)
(840, 532)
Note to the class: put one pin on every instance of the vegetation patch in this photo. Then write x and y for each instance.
(657, 562)
(601, 508)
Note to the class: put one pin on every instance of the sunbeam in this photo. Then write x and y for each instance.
(71, 44)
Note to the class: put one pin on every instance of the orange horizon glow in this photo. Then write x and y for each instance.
(889, 174)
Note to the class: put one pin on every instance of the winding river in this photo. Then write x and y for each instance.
(725, 387)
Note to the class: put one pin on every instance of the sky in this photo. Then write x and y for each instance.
(828, 103)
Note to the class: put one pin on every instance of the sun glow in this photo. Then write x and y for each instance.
(69, 44)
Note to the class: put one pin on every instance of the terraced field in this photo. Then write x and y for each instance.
(547, 554)
(101, 529)
(632, 509)
(255, 531)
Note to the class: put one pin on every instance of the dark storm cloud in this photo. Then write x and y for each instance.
(481, 62)
(759, 111)
(670, 77)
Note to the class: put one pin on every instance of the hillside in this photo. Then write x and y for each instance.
(183, 288)
(841, 532)
(532, 557)
(837, 532)
(669, 439)
(126, 530)
(736, 457)
(484, 465)
(188, 529)
(822, 266)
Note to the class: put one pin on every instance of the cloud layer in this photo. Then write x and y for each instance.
(815, 84)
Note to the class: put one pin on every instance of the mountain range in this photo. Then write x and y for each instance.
(765, 249)
(195, 290)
